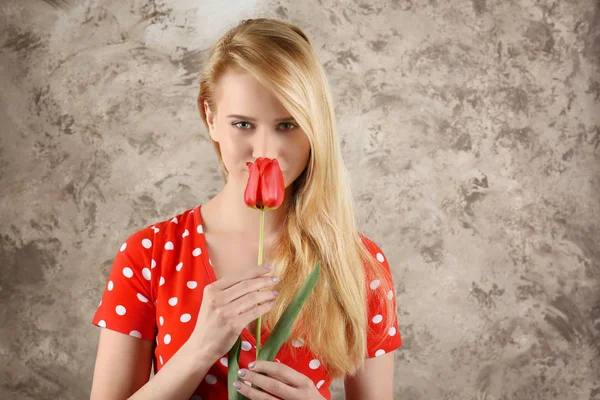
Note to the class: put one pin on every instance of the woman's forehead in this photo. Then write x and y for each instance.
(242, 94)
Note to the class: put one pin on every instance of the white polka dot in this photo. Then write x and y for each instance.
(167, 338)
(375, 284)
(136, 334)
(210, 379)
(156, 230)
(147, 243)
(161, 360)
(380, 257)
(197, 251)
(199, 229)
(379, 353)
(192, 284)
(128, 272)
(297, 343)
(162, 320)
(111, 285)
(224, 361)
(314, 364)
(142, 298)
(175, 220)
(146, 273)
(185, 318)
(179, 266)
(121, 310)
(185, 233)
(102, 323)
(321, 382)
(153, 264)
(377, 319)
(169, 246)
(173, 301)
(390, 294)
(246, 346)
(392, 331)
(162, 281)
(123, 246)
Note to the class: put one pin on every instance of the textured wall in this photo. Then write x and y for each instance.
(471, 129)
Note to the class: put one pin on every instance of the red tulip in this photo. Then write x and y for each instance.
(265, 189)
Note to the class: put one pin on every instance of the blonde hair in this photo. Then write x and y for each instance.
(320, 222)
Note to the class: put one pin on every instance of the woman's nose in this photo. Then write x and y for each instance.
(264, 143)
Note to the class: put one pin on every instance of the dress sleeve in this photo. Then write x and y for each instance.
(383, 335)
(127, 304)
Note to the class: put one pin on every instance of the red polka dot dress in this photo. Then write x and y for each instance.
(154, 291)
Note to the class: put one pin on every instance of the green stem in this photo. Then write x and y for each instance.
(260, 261)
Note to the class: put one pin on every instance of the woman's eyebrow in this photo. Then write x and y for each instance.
(287, 119)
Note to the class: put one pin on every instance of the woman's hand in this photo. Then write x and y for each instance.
(282, 381)
(228, 305)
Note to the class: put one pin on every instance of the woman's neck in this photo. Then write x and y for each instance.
(228, 213)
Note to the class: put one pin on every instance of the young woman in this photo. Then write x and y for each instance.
(181, 291)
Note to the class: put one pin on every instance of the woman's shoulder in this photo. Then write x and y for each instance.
(372, 246)
(378, 254)
(169, 226)
(148, 242)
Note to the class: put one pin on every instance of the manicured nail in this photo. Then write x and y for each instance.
(242, 373)
(237, 385)
(252, 365)
(275, 279)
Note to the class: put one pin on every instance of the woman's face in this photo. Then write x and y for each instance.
(249, 123)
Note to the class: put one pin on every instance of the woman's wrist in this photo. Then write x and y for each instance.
(200, 356)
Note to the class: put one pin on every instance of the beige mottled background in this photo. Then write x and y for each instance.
(471, 129)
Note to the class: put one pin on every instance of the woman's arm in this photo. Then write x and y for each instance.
(374, 381)
(123, 368)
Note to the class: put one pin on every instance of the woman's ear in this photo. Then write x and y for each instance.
(210, 119)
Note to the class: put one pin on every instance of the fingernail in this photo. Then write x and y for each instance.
(252, 365)
(237, 385)
(275, 279)
(268, 267)
(242, 373)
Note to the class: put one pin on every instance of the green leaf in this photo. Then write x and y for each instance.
(283, 329)
(280, 334)
(233, 366)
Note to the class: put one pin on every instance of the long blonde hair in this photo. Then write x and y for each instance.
(320, 222)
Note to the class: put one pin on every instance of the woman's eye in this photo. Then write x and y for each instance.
(292, 126)
(241, 122)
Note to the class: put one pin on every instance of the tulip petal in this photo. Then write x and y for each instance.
(272, 186)
(251, 192)
(262, 163)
